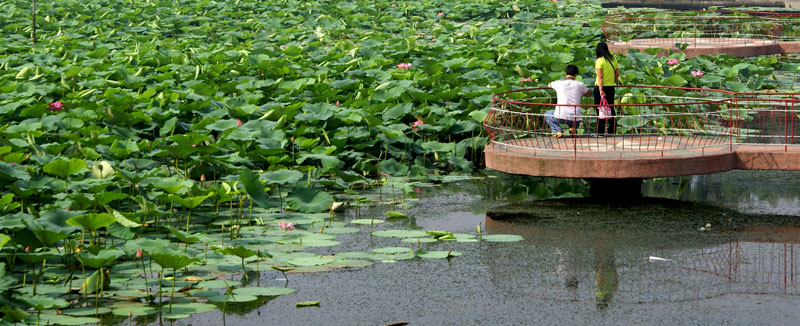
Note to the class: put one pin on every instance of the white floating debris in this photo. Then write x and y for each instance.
(654, 258)
(708, 225)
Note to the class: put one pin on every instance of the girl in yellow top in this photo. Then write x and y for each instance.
(607, 75)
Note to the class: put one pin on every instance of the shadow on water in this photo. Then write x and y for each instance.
(644, 251)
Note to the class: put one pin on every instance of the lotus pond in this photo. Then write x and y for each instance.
(191, 161)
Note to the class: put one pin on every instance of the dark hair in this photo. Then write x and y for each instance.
(601, 51)
(571, 70)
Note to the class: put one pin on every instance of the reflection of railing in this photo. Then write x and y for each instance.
(648, 118)
(721, 27)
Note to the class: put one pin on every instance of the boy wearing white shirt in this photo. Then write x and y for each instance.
(569, 92)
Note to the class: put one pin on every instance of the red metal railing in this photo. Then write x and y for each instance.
(718, 28)
(648, 118)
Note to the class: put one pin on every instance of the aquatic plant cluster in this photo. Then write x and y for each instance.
(151, 148)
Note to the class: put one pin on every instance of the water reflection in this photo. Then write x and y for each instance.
(757, 192)
(648, 251)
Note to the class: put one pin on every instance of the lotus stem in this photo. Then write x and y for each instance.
(144, 274)
(244, 271)
(99, 293)
(174, 275)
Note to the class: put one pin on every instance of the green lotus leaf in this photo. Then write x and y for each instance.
(63, 168)
(186, 237)
(172, 259)
(217, 284)
(366, 221)
(233, 298)
(37, 257)
(400, 233)
(309, 200)
(307, 304)
(254, 188)
(125, 220)
(190, 202)
(3, 240)
(43, 302)
(134, 311)
(501, 238)
(192, 308)
(271, 291)
(420, 240)
(396, 214)
(438, 254)
(282, 176)
(238, 251)
(102, 259)
(393, 167)
(86, 311)
(392, 250)
(310, 261)
(92, 221)
(64, 320)
(95, 282)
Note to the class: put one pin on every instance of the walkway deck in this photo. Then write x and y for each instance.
(611, 163)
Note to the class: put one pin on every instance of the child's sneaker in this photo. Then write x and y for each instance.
(558, 134)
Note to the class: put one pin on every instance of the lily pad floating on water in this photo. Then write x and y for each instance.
(310, 261)
(307, 304)
(396, 215)
(87, 311)
(502, 238)
(366, 221)
(217, 284)
(391, 250)
(65, 320)
(271, 291)
(233, 298)
(192, 308)
(420, 240)
(438, 254)
(134, 311)
(340, 230)
(400, 233)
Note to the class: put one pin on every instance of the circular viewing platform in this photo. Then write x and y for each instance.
(657, 132)
(736, 33)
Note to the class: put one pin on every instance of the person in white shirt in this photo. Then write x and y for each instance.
(569, 92)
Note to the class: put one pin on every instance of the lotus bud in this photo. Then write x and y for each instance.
(238, 122)
(27, 249)
(202, 177)
(138, 253)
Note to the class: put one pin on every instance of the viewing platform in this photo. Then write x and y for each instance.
(736, 33)
(661, 132)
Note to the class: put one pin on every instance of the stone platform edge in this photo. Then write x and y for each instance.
(743, 157)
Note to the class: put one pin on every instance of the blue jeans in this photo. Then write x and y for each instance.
(554, 123)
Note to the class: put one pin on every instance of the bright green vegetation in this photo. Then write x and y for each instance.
(150, 150)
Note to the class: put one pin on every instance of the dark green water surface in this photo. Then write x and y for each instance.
(652, 261)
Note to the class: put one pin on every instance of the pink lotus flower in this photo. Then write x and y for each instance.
(194, 145)
(394, 5)
(416, 123)
(698, 73)
(441, 14)
(11, 163)
(202, 177)
(523, 80)
(337, 103)
(672, 62)
(283, 47)
(238, 122)
(56, 106)
(138, 253)
(286, 226)
(403, 65)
